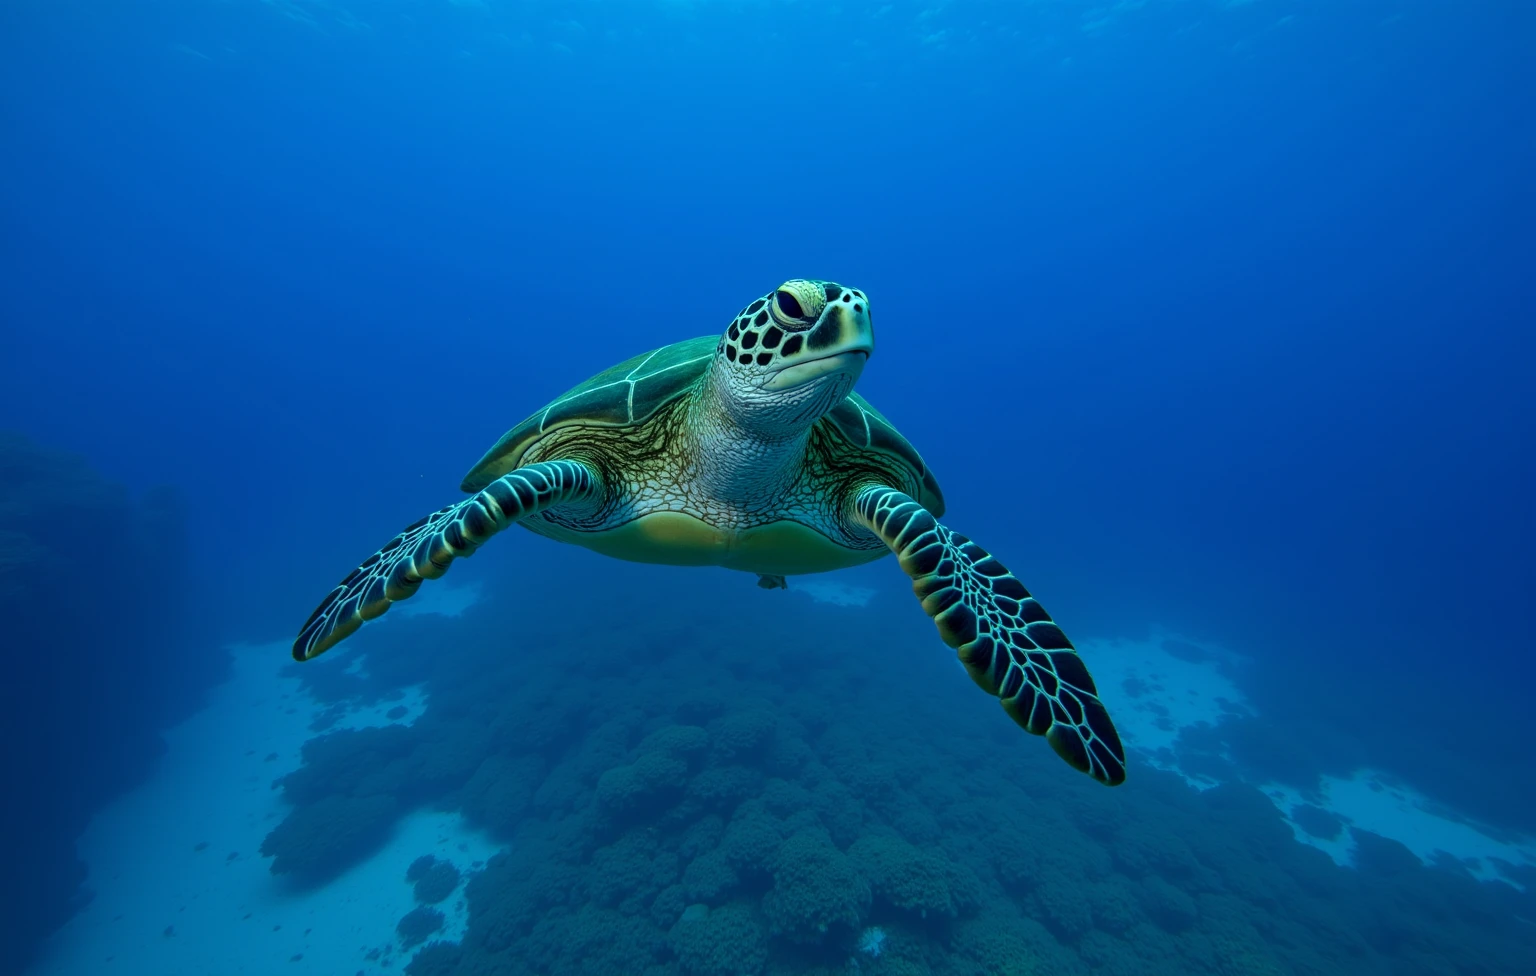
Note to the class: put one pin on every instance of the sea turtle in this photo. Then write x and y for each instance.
(750, 450)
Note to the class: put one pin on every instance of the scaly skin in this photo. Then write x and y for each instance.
(690, 459)
(1007, 642)
(744, 467)
(426, 548)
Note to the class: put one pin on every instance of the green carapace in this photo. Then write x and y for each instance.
(750, 450)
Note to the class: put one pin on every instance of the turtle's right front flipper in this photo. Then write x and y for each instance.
(1008, 643)
(425, 549)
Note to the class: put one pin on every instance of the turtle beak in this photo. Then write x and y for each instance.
(850, 362)
(841, 342)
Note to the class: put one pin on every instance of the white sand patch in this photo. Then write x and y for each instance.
(180, 888)
(404, 710)
(837, 593)
(1375, 802)
(1156, 688)
(401, 708)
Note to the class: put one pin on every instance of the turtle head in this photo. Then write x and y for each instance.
(795, 352)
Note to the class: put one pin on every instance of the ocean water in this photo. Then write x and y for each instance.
(1212, 318)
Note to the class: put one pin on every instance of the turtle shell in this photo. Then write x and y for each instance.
(631, 392)
(620, 396)
(866, 429)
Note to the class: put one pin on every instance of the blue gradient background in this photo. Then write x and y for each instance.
(1214, 316)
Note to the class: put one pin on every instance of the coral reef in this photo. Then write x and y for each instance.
(433, 880)
(909, 879)
(817, 892)
(761, 809)
(436, 958)
(319, 840)
(418, 925)
(726, 941)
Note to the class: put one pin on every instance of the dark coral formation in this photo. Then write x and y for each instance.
(1317, 821)
(418, 925)
(432, 880)
(317, 841)
(716, 799)
(724, 941)
(94, 605)
(817, 895)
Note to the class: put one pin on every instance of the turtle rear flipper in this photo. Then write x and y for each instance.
(1006, 640)
(427, 548)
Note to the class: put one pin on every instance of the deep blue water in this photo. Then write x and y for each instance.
(1214, 316)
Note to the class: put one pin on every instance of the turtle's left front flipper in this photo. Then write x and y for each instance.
(1006, 640)
(426, 548)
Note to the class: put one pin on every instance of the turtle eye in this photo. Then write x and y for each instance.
(789, 305)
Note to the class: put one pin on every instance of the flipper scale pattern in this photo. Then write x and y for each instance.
(426, 548)
(1005, 639)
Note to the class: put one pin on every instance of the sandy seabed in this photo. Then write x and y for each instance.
(180, 888)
